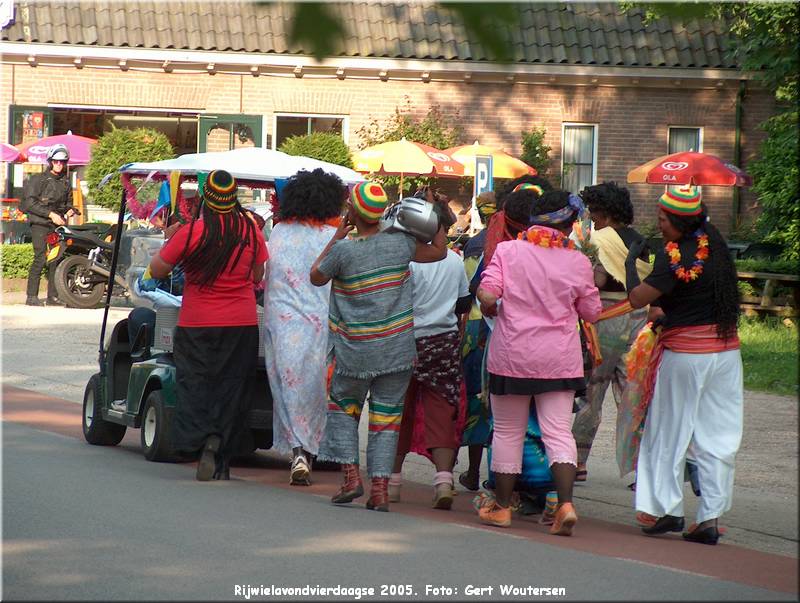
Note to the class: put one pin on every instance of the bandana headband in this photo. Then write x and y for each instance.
(573, 207)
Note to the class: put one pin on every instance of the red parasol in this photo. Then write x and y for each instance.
(689, 167)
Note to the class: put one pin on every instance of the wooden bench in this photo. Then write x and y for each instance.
(766, 302)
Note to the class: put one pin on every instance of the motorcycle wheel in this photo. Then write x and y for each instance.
(74, 283)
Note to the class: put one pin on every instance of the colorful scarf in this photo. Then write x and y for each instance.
(501, 228)
(574, 206)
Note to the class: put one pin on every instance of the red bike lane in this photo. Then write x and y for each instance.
(725, 562)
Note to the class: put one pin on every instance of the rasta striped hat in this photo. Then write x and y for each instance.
(528, 186)
(681, 200)
(369, 200)
(219, 191)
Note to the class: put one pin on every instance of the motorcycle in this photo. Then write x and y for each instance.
(83, 257)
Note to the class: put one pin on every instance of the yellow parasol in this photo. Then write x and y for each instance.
(503, 164)
(406, 158)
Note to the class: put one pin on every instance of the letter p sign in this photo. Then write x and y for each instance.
(483, 174)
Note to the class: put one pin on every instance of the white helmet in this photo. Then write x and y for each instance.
(57, 152)
(412, 215)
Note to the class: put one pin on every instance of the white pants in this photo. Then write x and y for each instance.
(696, 409)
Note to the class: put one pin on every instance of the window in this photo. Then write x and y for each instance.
(299, 125)
(685, 139)
(227, 132)
(578, 157)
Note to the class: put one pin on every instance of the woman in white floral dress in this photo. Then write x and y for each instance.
(296, 316)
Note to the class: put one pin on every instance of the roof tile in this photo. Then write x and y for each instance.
(573, 33)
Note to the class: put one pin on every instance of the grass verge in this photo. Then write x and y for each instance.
(769, 355)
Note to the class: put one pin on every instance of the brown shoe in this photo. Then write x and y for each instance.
(352, 487)
(443, 496)
(565, 520)
(379, 495)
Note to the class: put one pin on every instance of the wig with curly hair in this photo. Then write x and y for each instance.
(503, 192)
(611, 200)
(721, 268)
(518, 205)
(553, 201)
(312, 196)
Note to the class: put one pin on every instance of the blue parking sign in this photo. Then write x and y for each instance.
(483, 175)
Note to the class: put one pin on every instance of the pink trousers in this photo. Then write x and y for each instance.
(510, 415)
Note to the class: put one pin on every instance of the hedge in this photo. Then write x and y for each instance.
(15, 260)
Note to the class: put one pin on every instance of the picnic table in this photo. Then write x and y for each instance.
(767, 302)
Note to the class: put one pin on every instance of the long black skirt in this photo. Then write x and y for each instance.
(214, 373)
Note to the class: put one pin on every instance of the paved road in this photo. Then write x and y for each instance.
(85, 522)
(54, 350)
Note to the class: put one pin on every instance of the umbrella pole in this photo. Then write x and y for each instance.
(400, 188)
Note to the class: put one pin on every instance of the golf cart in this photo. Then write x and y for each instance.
(136, 384)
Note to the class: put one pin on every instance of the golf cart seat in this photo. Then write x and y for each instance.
(118, 360)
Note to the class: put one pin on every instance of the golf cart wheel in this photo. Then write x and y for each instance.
(97, 430)
(76, 284)
(156, 429)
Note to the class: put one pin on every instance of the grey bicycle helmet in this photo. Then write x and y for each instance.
(411, 215)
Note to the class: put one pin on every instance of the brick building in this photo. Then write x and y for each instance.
(610, 91)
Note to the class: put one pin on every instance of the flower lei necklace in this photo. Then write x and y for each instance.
(674, 253)
(545, 237)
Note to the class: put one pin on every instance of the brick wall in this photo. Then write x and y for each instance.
(633, 122)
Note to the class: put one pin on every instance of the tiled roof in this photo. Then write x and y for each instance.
(556, 33)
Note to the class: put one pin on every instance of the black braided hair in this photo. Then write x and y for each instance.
(221, 244)
(721, 268)
(312, 195)
(611, 200)
(503, 192)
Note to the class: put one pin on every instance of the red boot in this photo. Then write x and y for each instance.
(379, 496)
(352, 487)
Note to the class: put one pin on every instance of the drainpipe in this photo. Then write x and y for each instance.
(737, 152)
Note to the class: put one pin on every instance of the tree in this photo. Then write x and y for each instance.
(116, 148)
(437, 129)
(534, 152)
(765, 42)
(325, 146)
(775, 176)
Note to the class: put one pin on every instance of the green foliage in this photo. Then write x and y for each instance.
(316, 29)
(764, 41)
(319, 30)
(769, 355)
(116, 148)
(324, 146)
(534, 152)
(436, 129)
(765, 265)
(775, 175)
(488, 24)
(16, 260)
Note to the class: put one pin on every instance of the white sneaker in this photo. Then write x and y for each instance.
(119, 405)
(300, 474)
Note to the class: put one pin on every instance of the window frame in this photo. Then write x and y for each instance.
(254, 121)
(699, 136)
(345, 124)
(596, 136)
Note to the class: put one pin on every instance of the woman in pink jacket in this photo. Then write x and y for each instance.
(545, 285)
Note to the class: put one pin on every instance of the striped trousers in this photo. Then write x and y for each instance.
(345, 403)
